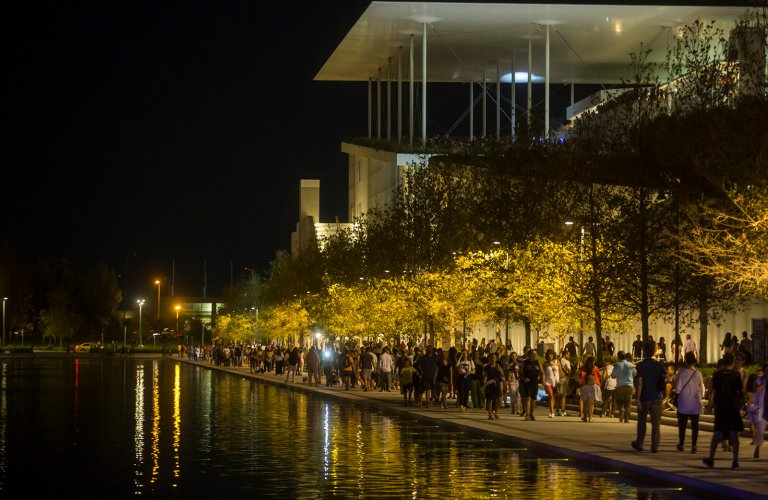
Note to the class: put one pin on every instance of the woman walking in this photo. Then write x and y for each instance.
(464, 367)
(589, 379)
(550, 379)
(609, 386)
(492, 378)
(689, 388)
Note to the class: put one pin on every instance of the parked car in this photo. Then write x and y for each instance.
(84, 347)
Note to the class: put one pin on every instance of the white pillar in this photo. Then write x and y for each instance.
(389, 99)
(410, 97)
(471, 110)
(513, 110)
(370, 108)
(485, 110)
(378, 105)
(573, 92)
(424, 86)
(498, 103)
(399, 94)
(530, 84)
(546, 89)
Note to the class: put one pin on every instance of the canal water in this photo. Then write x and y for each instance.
(113, 428)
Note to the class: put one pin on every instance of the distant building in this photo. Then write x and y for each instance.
(309, 226)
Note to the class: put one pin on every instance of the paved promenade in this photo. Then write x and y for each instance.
(604, 442)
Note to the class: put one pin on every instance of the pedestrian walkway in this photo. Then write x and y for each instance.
(604, 443)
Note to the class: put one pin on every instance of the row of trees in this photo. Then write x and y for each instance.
(653, 208)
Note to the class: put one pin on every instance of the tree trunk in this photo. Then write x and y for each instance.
(703, 326)
(644, 314)
(528, 339)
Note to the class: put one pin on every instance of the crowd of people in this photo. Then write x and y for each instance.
(491, 377)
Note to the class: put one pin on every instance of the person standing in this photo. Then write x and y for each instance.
(589, 348)
(677, 349)
(727, 394)
(662, 351)
(649, 382)
(313, 366)
(637, 348)
(756, 414)
(610, 349)
(564, 387)
(689, 386)
(444, 378)
(386, 365)
(690, 346)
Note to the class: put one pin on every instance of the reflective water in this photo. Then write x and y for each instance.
(117, 428)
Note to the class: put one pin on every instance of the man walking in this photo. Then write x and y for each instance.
(650, 386)
(728, 397)
(385, 370)
(624, 373)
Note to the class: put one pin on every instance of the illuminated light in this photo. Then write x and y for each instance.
(569, 223)
(521, 77)
(617, 28)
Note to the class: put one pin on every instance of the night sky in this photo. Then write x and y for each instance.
(172, 132)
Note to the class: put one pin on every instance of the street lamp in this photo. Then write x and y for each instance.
(4, 299)
(177, 318)
(141, 303)
(157, 282)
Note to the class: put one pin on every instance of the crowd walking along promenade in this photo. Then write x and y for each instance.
(557, 406)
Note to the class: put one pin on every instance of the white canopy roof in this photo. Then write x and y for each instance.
(588, 43)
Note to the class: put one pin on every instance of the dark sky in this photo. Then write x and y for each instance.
(172, 131)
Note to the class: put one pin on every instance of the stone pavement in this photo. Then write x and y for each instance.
(604, 442)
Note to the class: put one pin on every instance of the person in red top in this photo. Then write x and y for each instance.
(589, 380)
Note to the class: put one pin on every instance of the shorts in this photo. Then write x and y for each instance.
(365, 374)
(426, 385)
(549, 390)
(346, 374)
(529, 390)
(406, 388)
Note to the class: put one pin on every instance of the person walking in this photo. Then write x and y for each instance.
(492, 378)
(609, 387)
(386, 365)
(650, 387)
(690, 346)
(564, 387)
(551, 378)
(756, 415)
(727, 395)
(589, 380)
(444, 378)
(689, 387)
(529, 383)
(623, 372)
(465, 368)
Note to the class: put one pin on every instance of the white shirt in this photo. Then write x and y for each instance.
(689, 400)
(689, 346)
(385, 362)
(589, 349)
(551, 374)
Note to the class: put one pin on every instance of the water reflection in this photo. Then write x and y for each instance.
(189, 432)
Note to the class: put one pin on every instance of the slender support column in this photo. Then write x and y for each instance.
(512, 99)
(389, 99)
(378, 105)
(399, 94)
(498, 103)
(370, 107)
(410, 97)
(424, 86)
(471, 110)
(530, 85)
(485, 108)
(573, 93)
(546, 89)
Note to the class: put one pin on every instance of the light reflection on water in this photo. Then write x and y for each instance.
(179, 431)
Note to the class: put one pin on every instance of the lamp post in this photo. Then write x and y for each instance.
(141, 303)
(4, 299)
(178, 307)
(157, 282)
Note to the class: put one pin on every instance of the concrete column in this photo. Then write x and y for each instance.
(389, 99)
(546, 89)
(399, 94)
(498, 103)
(471, 110)
(370, 107)
(485, 109)
(530, 84)
(410, 96)
(513, 110)
(424, 85)
(573, 92)
(378, 105)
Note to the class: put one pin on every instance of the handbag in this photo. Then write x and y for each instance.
(673, 397)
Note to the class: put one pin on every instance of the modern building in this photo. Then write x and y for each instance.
(309, 228)
(510, 60)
